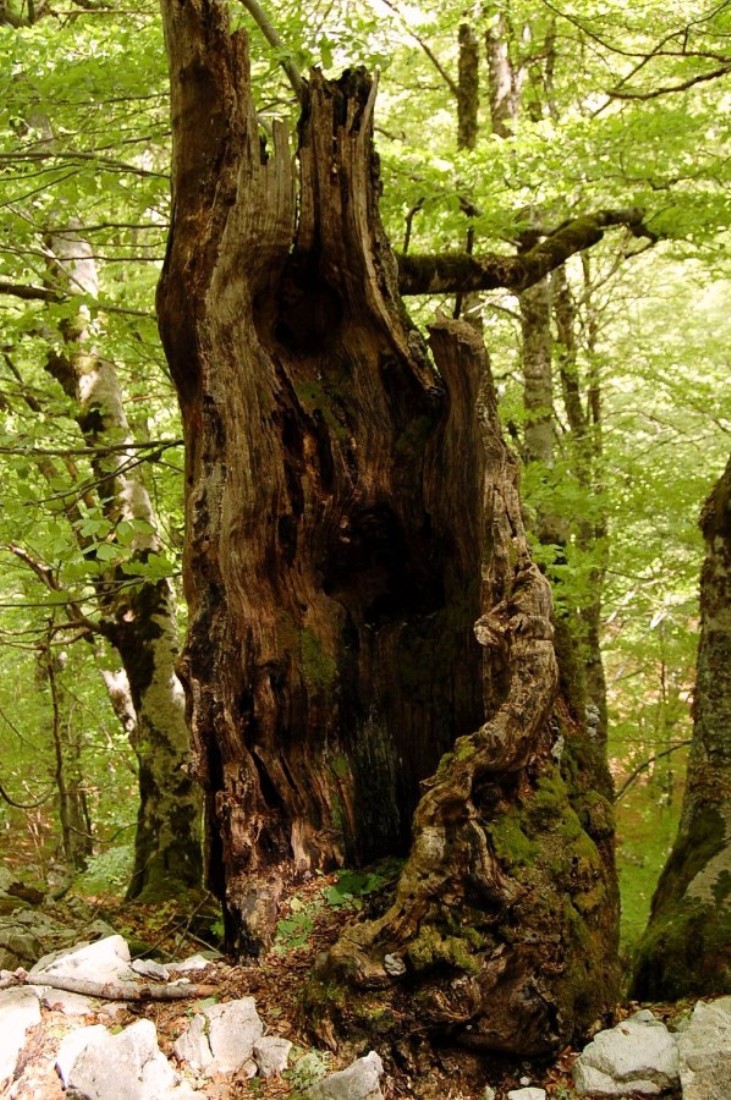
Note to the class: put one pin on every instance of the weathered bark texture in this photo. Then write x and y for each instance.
(342, 540)
(139, 619)
(502, 934)
(332, 562)
(686, 950)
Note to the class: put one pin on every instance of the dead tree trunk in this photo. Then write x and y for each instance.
(337, 555)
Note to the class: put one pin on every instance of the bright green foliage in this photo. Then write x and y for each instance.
(593, 133)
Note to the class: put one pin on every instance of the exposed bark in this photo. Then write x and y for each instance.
(686, 949)
(331, 565)
(502, 933)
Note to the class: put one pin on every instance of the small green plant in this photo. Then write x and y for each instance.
(294, 931)
(109, 872)
(308, 1066)
(352, 887)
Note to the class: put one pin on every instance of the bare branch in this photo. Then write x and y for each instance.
(633, 776)
(669, 89)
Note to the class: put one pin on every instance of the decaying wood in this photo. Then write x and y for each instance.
(352, 512)
(440, 957)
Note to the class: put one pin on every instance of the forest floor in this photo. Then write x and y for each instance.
(312, 916)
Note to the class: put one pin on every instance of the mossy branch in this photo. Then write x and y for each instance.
(451, 272)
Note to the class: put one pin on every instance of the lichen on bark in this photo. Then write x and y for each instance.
(686, 949)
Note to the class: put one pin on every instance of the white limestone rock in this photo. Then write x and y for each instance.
(639, 1056)
(148, 968)
(233, 1028)
(360, 1081)
(104, 961)
(71, 1004)
(528, 1093)
(193, 1046)
(128, 1066)
(72, 1046)
(221, 1038)
(194, 962)
(271, 1054)
(19, 1011)
(704, 1052)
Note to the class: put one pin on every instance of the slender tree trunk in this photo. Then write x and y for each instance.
(342, 539)
(76, 835)
(139, 617)
(686, 949)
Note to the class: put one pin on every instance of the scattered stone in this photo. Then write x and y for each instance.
(527, 1093)
(639, 1056)
(128, 1066)
(72, 1046)
(271, 1054)
(489, 1093)
(704, 1052)
(360, 1081)
(71, 1004)
(19, 1011)
(27, 934)
(221, 1038)
(148, 968)
(195, 962)
(233, 1029)
(192, 1046)
(106, 960)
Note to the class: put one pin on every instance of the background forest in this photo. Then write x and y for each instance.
(493, 121)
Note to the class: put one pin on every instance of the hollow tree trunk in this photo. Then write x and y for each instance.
(502, 933)
(338, 554)
(332, 560)
(686, 949)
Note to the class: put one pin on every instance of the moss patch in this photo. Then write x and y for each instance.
(318, 669)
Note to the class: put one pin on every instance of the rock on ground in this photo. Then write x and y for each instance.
(106, 960)
(360, 1081)
(19, 1011)
(639, 1056)
(128, 1066)
(221, 1038)
(704, 1052)
(271, 1054)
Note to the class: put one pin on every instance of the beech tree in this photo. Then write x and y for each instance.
(686, 949)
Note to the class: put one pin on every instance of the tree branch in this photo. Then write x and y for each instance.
(669, 89)
(458, 271)
(272, 36)
(110, 991)
(633, 776)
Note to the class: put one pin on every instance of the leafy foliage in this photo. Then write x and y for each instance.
(620, 109)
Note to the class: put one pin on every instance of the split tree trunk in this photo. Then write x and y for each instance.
(332, 561)
(344, 533)
(686, 950)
